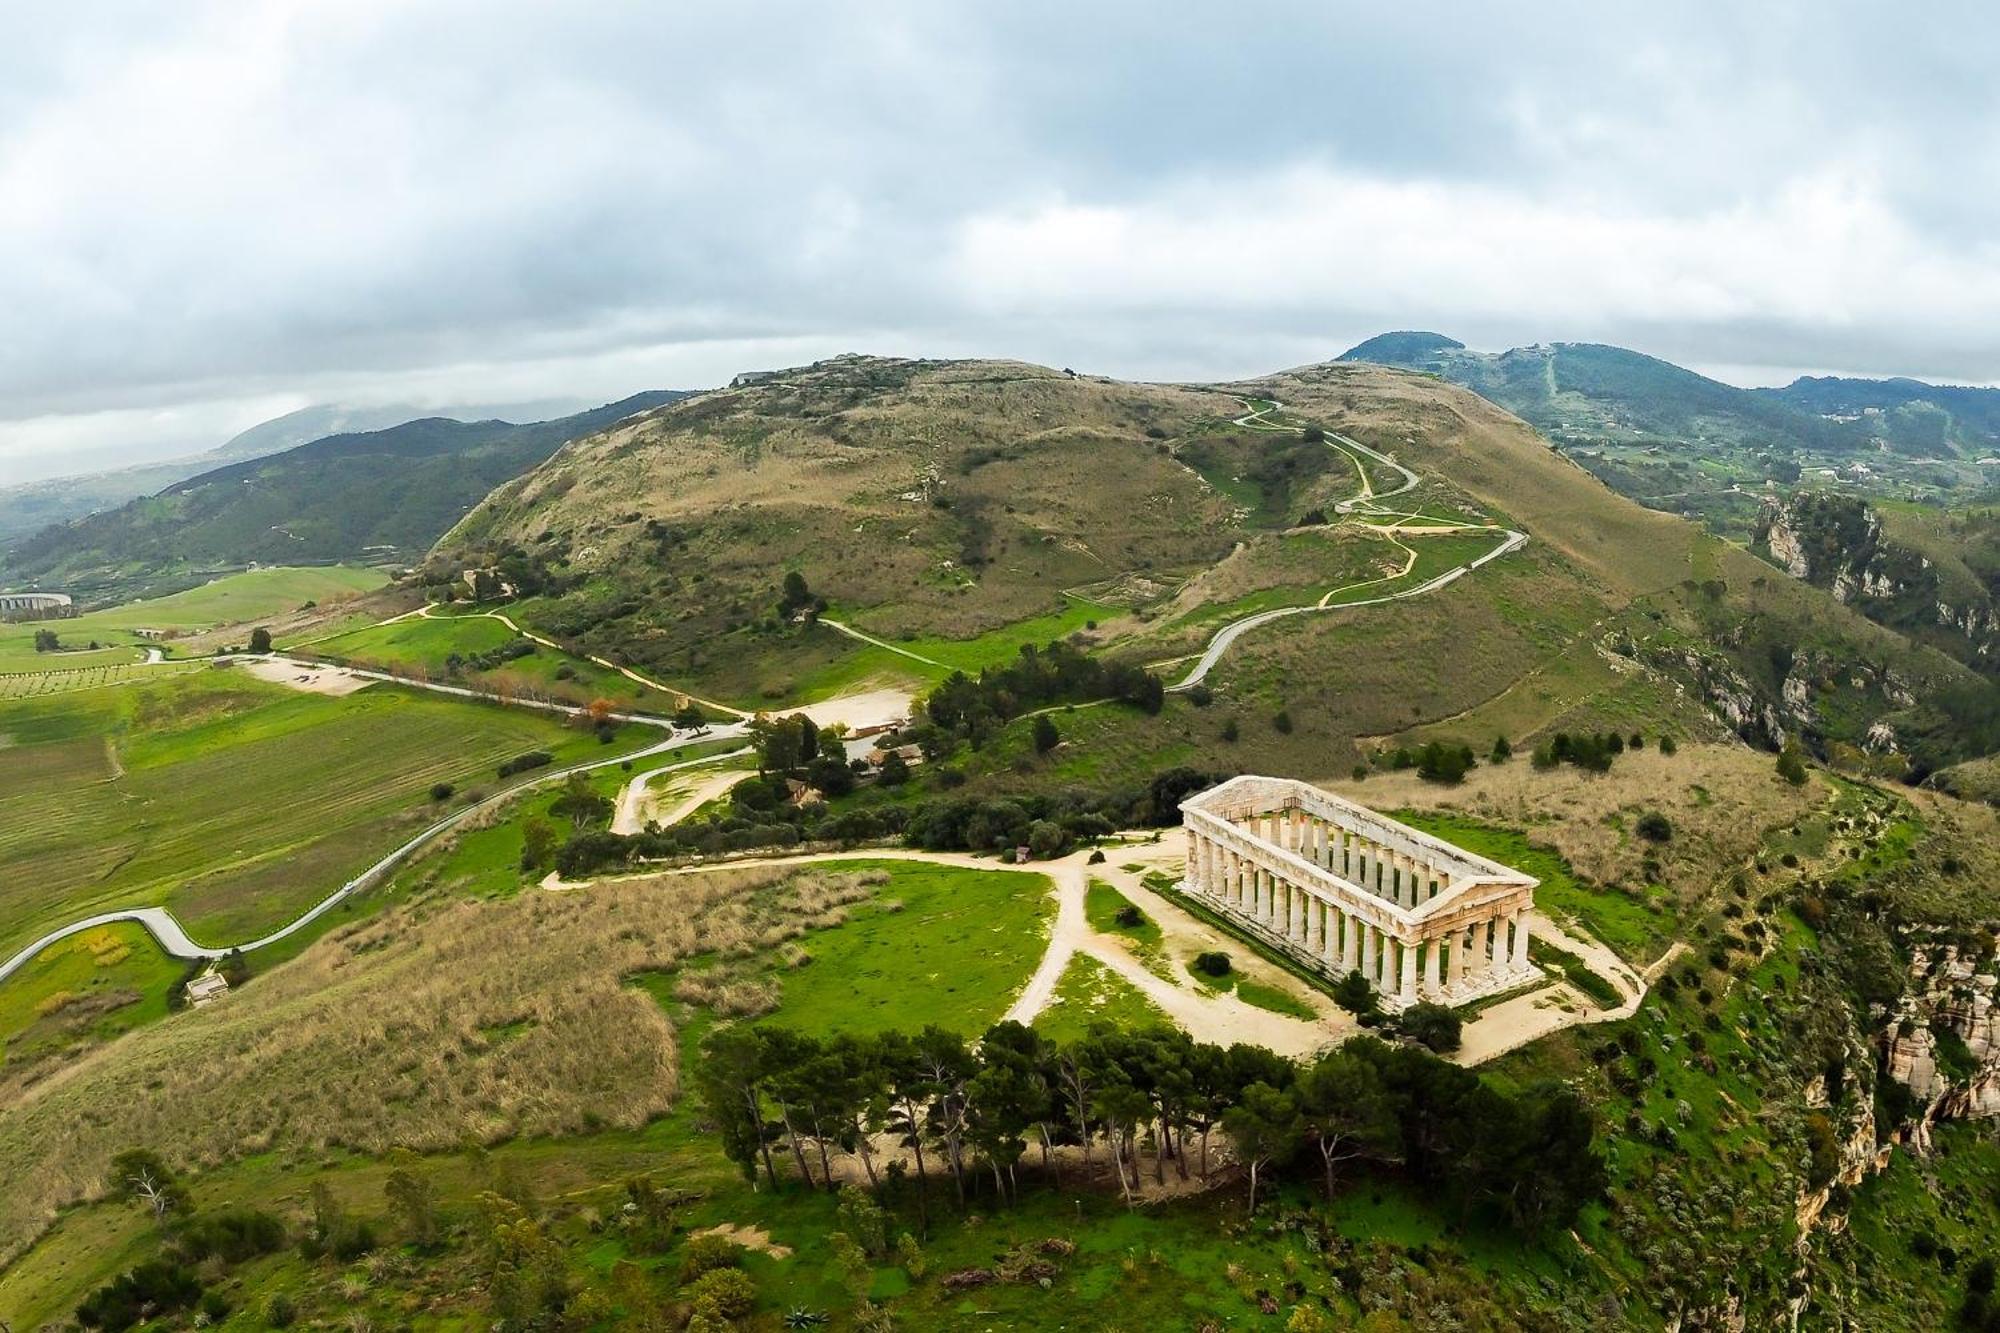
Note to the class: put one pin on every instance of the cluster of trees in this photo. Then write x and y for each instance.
(457, 664)
(794, 747)
(971, 1112)
(1439, 761)
(1059, 673)
(1048, 824)
(47, 641)
(1593, 753)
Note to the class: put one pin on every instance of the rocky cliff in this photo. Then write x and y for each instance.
(1837, 542)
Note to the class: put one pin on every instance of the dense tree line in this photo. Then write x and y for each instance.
(968, 708)
(1048, 824)
(968, 1113)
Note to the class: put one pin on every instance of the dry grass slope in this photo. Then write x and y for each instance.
(441, 1022)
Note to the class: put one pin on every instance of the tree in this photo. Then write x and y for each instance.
(538, 842)
(1282, 722)
(260, 640)
(1265, 1125)
(1347, 1110)
(1046, 735)
(144, 1177)
(1792, 764)
(46, 641)
(895, 770)
(1502, 751)
(412, 1201)
(1654, 827)
(1668, 745)
(730, 1079)
(582, 804)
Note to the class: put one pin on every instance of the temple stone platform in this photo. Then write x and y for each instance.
(1340, 888)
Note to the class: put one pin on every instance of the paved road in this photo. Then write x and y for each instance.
(1367, 502)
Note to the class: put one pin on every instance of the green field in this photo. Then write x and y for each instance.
(440, 646)
(87, 988)
(1090, 992)
(234, 802)
(936, 944)
(995, 647)
(226, 601)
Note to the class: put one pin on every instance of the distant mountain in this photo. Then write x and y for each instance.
(1593, 393)
(374, 495)
(28, 507)
(1908, 415)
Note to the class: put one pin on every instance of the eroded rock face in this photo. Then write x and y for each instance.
(1836, 542)
(1949, 992)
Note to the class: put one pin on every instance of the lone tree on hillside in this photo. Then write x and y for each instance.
(1792, 764)
(46, 641)
(1046, 735)
(260, 640)
(796, 600)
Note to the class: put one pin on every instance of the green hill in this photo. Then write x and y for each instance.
(379, 495)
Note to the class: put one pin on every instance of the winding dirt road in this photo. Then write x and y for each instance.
(1365, 503)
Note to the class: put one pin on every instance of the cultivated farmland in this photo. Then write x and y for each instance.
(235, 803)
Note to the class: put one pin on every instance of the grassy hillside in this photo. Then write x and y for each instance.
(1679, 441)
(236, 803)
(382, 495)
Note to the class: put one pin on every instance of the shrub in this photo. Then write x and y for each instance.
(279, 1312)
(1214, 963)
(1792, 765)
(1130, 917)
(1353, 993)
(521, 763)
(230, 1234)
(1200, 696)
(441, 791)
(1654, 827)
(1667, 745)
(707, 1254)
(724, 1293)
(1432, 1025)
(1283, 722)
(156, 1287)
(1230, 731)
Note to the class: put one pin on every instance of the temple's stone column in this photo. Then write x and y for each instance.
(1461, 958)
(1350, 943)
(1409, 979)
(1521, 963)
(1433, 967)
(1386, 980)
(1370, 965)
(1482, 948)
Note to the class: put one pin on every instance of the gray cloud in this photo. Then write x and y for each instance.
(206, 207)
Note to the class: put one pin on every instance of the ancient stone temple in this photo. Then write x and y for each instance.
(1342, 889)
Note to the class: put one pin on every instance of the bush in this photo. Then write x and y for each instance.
(1200, 695)
(1214, 963)
(521, 763)
(724, 1293)
(1432, 1025)
(1792, 765)
(441, 791)
(1130, 917)
(1353, 993)
(1654, 827)
(230, 1234)
(1230, 731)
(1282, 722)
(260, 640)
(1667, 745)
(279, 1312)
(157, 1287)
(708, 1254)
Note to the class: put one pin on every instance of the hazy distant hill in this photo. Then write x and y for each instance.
(383, 494)
(1909, 415)
(30, 506)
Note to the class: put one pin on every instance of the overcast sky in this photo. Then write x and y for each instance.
(214, 212)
